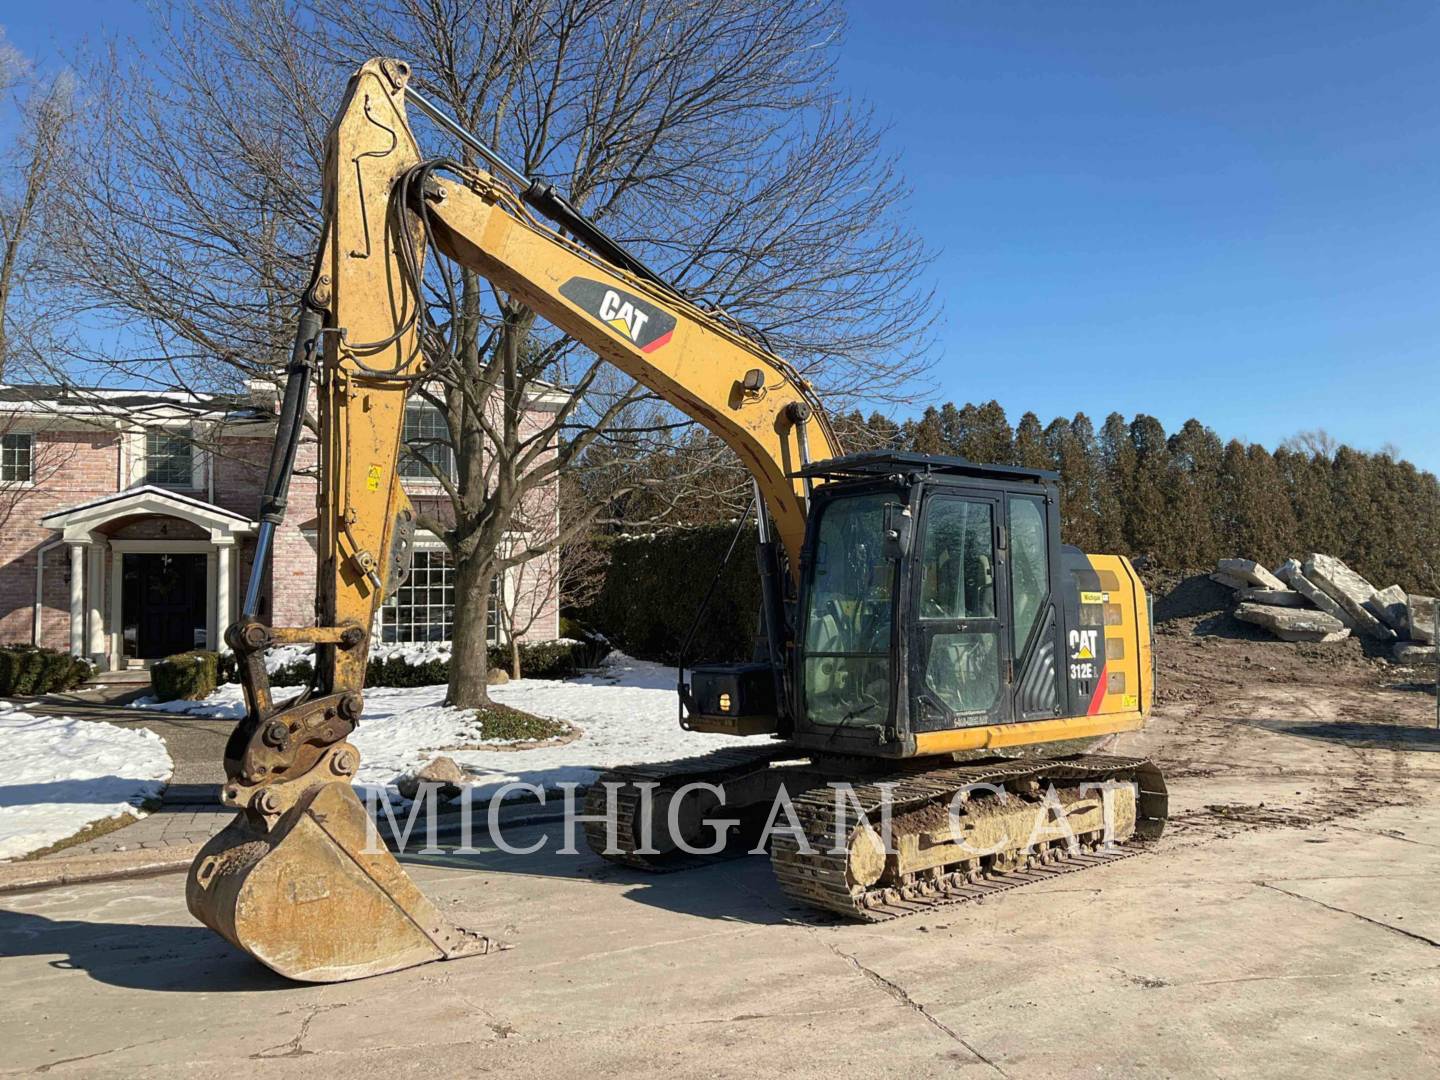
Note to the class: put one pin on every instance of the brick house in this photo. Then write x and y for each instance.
(127, 523)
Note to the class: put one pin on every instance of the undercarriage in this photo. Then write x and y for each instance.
(872, 840)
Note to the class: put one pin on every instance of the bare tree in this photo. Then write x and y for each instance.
(1314, 443)
(709, 136)
(522, 602)
(30, 166)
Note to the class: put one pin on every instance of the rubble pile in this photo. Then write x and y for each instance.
(1323, 600)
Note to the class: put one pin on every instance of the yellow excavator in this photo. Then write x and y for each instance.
(924, 629)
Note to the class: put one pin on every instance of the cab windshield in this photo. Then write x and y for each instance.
(848, 615)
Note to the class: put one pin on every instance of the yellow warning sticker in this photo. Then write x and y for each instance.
(1130, 701)
(1094, 598)
(372, 478)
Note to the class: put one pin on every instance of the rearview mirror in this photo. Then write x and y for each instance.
(897, 530)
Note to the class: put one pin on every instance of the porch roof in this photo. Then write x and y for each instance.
(76, 523)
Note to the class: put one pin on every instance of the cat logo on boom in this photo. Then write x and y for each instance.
(632, 317)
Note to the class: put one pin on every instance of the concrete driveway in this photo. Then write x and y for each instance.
(1286, 926)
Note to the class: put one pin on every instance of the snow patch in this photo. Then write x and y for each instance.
(627, 713)
(58, 775)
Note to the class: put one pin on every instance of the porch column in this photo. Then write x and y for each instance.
(224, 612)
(95, 588)
(77, 599)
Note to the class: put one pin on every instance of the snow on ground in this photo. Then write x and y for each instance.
(626, 713)
(58, 775)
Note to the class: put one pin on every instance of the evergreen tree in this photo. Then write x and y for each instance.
(923, 435)
(1148, 521)
(1073, 452)
(1030, 449)
(1264, 519)
(986, 437)
(1195, 508)
(1112, 492)
(954, 423)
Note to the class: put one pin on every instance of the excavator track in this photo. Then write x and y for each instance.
(719, 768)
(824, 878)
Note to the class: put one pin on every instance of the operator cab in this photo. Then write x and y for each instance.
(934, 594)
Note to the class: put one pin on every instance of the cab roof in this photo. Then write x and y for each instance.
(872, 463)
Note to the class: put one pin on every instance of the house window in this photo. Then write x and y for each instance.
(17, 454)
(427, 443)
(169, 460)
(423, 609)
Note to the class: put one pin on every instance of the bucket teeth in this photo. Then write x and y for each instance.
(317, 897)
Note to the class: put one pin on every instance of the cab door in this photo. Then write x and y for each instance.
(960, 660)
(1036, 640)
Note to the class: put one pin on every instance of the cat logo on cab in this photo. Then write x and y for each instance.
(632, 317)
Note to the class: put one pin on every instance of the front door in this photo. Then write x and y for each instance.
(164, 609)
(960, 671)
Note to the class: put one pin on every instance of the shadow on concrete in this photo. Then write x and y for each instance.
(193, 959)
(169, 959)
(734, 887)
(188, 795)
(1368, 736)
(106, 790)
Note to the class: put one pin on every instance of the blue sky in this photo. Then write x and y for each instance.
(1225, 210)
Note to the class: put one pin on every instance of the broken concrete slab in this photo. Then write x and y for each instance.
(1350, 591)
(1408, 652)
(1297, 580)
(1275, 597)
(1292, 625)
(1420, 618)
(1230, 581)
(1312, 636)
(1390, 607)
(1249, 571)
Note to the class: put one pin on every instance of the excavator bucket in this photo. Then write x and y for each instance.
(316, 896)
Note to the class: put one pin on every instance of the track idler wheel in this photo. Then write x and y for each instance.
(315, 896)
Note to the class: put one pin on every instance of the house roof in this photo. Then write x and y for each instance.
(97, 402)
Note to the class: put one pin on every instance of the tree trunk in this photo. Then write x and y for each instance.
(469, 657)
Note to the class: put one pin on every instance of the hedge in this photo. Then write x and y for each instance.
(654, 585)
(538, 660)
(188, 675)
(27, 670)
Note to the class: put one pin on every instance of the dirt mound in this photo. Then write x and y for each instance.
(1188, 595)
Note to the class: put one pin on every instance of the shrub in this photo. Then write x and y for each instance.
(545, 659)
(188, 675)
(27, 670)
(295, 673)
(397, 670)
(538, 660)
(654, 585)
(590, 646)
